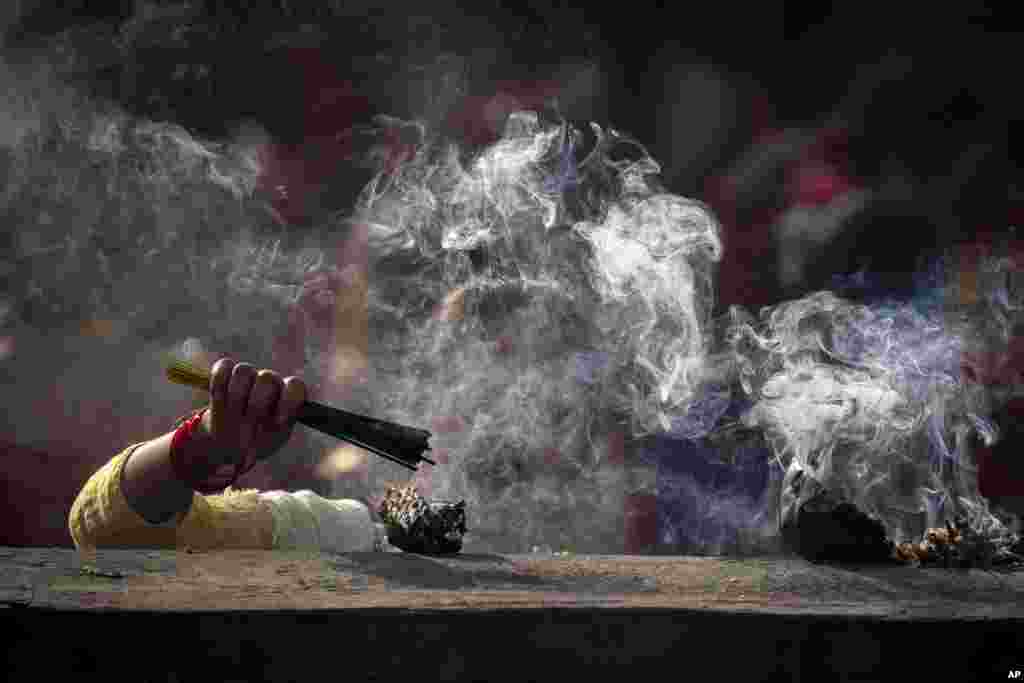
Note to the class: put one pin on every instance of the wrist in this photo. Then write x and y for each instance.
(191, 456)
(201, 462)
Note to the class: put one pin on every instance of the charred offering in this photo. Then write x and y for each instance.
(417, 525)
(960, 546)
(818, 524)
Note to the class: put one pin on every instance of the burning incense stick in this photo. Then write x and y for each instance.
(397, 443)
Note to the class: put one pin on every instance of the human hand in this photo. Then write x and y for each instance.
(252, 412)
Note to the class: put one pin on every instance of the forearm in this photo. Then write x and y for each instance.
(102, 515)
(301, 520)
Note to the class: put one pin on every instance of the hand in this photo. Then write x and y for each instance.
(252, 412)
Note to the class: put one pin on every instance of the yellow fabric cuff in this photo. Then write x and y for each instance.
(102, 517)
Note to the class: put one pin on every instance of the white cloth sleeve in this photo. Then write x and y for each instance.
(305, 521)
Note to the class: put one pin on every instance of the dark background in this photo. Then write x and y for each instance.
(925, 99)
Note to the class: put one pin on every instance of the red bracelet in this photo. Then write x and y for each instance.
(197, 474)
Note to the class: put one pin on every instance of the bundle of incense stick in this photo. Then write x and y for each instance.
(397, 443)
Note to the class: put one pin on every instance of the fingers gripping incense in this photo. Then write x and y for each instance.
(398, 443)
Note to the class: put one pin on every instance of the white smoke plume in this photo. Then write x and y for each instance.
(871, 401)
(574, 295)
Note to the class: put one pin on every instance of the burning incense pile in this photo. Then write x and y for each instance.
(419, 526)
(962, 547)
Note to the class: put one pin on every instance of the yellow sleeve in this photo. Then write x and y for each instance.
(102, 517)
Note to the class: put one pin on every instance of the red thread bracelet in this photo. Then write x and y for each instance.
(197, 475)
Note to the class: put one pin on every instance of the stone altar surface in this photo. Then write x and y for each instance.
(248, 615)
(261, 580)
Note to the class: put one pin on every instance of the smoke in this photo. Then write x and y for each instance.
(528, 302)
(123, 239)
(525, 304)
(535, 298)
